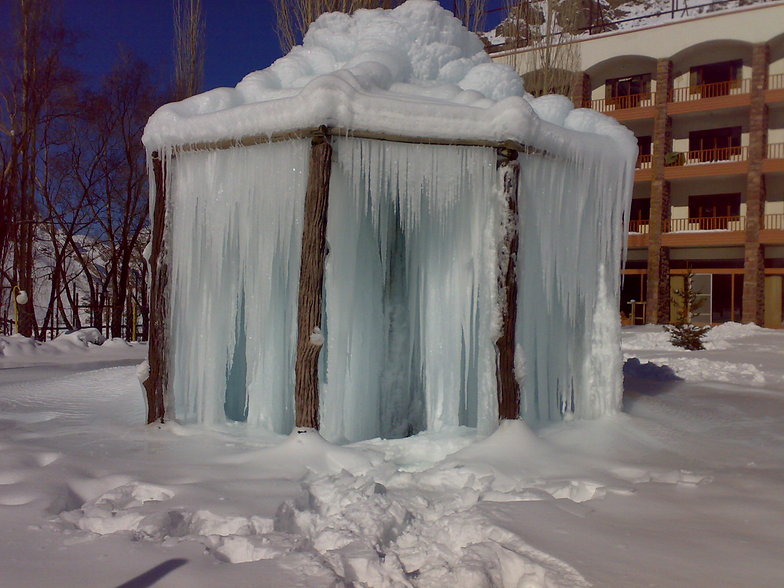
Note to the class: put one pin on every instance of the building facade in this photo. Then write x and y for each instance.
(704, 96)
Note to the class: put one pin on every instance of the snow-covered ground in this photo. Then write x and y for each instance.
(682, 489)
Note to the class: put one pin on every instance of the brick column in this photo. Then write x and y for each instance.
(581, 90)
(754, 259)
(658, 291)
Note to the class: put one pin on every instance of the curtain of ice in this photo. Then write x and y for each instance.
(574, 202)
(236, 224)
(410, 288)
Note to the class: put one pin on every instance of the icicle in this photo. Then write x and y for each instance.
(408, 289)
(572, 236)
(236, 226)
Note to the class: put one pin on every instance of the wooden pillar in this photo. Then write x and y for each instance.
(311, 283)
(657, 309)
(156, 384)
(508, 388)
(754, 259)
(581, 90)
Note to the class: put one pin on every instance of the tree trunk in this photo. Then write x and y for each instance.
(311, 283)
(508, 388)
(157, 382)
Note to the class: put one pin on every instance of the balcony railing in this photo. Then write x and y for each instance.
(774, 221)
(643, 161)
(709, 223)
(776, 82)
(775, 151)
(727, 88)
(698, 156)
(621, 102)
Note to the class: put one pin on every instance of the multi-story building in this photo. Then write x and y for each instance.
(705, 97)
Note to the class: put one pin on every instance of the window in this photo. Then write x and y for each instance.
(715, 79)
(640, 215)
(703, 288)
(715, 144)
(644, 145)
(726, 299)
(714, 211)
(628, 92)
(633, 298)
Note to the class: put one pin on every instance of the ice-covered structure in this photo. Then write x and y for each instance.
(336, 239)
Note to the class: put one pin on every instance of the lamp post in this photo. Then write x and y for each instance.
(133, 324)
(20, 298)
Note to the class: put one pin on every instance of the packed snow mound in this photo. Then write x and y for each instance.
(81, 338)
(412, 70)
(18, 345)
(726, 331)
(719, 337)
(79, 342)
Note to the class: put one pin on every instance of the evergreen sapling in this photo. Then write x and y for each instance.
(682, 332)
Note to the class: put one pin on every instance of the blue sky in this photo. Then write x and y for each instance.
(240, 35)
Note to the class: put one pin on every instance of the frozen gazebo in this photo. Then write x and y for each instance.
(382, 233)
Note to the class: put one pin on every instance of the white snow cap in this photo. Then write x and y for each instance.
(412, 70)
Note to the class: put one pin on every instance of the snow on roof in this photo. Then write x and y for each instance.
(413, 70)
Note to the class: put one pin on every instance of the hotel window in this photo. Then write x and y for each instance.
(714, 211)
(629, 91)
(644, 145)
(639, 215)
(715, 79)
(715, 144)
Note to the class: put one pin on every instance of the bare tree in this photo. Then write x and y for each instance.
(189, 48)
(73, 172)
(120, 206)
(543, 30)
(29, 103)
(471, 13)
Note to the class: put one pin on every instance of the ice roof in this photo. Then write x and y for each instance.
(413, 70)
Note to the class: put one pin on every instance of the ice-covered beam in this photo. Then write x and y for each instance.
(305, 132)
(311, 283)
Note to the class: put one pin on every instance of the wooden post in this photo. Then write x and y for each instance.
(508, 388)
(157, 382)
(311, 282)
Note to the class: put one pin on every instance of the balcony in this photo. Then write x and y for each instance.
(717, 95)
(643, 161)
(631, 107)
(719, 161)
(727, 94)
(715, 90)
(772, 232)
(638, 233)
(704, 231)
(706, 223)
(774, 222)
(774, 159)
(714, 155)
(775, 91)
